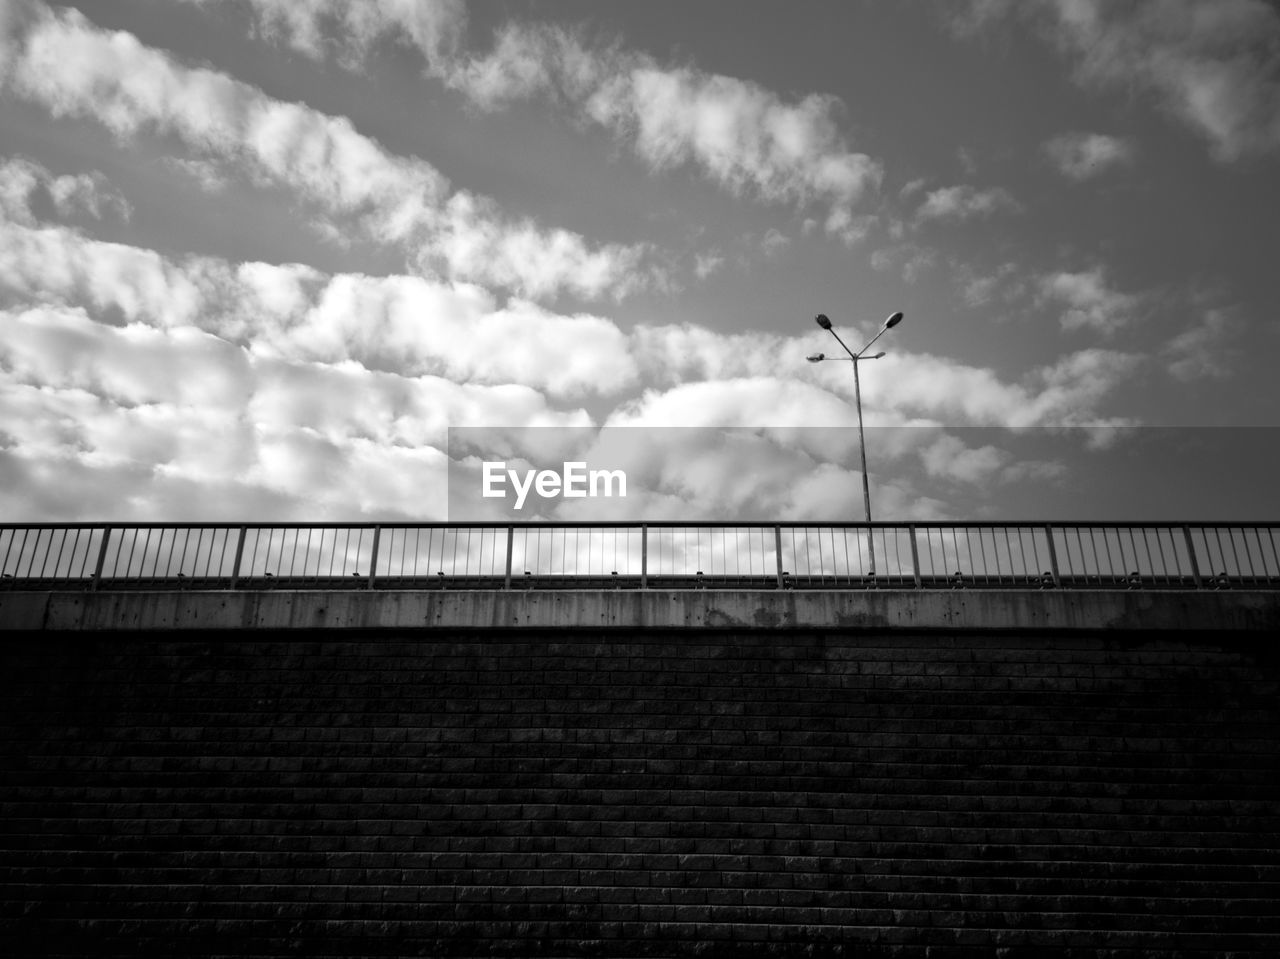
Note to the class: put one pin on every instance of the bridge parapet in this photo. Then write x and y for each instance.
(639, 556)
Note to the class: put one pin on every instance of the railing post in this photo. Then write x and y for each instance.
(373, 560)
(511, 543)
(644, 556)
(1053, 556)
(1191, 555)
(777, 551)
(915, 556)
(235, 567)
(102, 559)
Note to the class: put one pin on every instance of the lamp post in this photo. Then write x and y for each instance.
(893, 320)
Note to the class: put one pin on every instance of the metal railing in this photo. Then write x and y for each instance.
(641, 555)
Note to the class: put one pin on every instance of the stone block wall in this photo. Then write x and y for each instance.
(520, 793)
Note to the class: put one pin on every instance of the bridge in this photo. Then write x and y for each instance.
(650, 739)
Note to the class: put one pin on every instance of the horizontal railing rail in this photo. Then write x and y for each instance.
(639, 555)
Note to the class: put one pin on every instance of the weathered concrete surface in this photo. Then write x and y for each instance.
(652, 609)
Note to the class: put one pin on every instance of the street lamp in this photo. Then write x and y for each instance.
(893, 320)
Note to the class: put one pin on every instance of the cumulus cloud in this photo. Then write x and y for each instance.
(1204, 350)
(1087, 301)
(965, 202)
(351, 28)
(746, 138)
(73, 68)
(1082, 156)
(308, 395)
(152, 408)
(981, 287)
(1209, 65)
(404, 324)
(25, 185)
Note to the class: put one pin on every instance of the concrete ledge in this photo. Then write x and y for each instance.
(653, 609)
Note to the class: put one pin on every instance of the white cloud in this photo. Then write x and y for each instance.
(400, 323)
(742, 136)
(351, 28)
(24, 183)
(979, 288)
(153, 410)
(1081, 156)
(74, 68)
(910, 259)
(706, 264)
(1210, 65)
(949, 458)
(1087, 301)
(965, 202)
(1204, 350)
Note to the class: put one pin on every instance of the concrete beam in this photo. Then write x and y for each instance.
(648, 609)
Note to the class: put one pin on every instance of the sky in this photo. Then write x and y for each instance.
(260, 259)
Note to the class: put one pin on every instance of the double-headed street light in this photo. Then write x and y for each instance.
(889, 324)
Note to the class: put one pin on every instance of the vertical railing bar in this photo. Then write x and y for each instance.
(1164, 560)
(1053, 556)
(235, 564)
(115, 560)
(1235, 553)
(168, 560)
(1146, 545)
(13, 535)
(62, 544)
(48, 549)
(915, 557)
(284, 535)
(644, 556)
(373, 556)
(102, 557)
(75, 551)
(777, 552)
(1262, 555)
(1248, 553)
(1191, 557)
(511, 542)
(186, 542)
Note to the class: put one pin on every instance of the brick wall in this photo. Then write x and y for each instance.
(519, 793)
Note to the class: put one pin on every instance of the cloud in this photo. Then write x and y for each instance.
(742, 136)
(1203, 350)
(706, 264)
(1209, 65)
(1082, 156)
(710, 379)
(352, 28)
(404, 324)
(981, 288)
(308, 395)
(151, 409)
(1087, 301)
(949, 458)
(910, 258)
(25, 185)
(965, 202)
(76, 69)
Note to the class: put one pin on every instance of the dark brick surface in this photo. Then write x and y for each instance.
(771, 794)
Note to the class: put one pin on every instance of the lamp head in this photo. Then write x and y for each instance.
(893, 321)
(816, 357)
(822, 321)
(878, 355)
